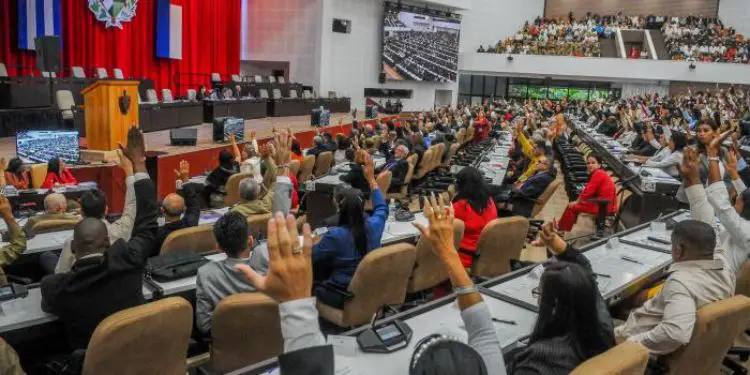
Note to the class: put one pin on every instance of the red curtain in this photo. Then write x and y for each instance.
(211, 42)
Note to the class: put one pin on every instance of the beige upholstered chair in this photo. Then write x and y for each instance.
(78, 72)
(403, 191)
(259, 222)
(101, 73)
(276, 94)
(258, 78)
(306, 170)
(294, 168)
(717, 325)
(628, 358)
(546, 195)
(65, 103)
(500, 241)
(271, 79)
(423, 166)
(384, 181)
(53, 225)
(245, 329)
(236, 78)
(38, 174)
(215, 77)
(380, 279)
(118, 73)
(428, 270)
(192, 94)
(293, 94)
(199, 239)
(166, 96)
(151, 96)
(147, 339)
(232, 188)
(3, 70)
(281, 79)
(263, 93)
(323, 163)
(451, 153)
(743, 280)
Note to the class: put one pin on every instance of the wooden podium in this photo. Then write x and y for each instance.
(111, 107)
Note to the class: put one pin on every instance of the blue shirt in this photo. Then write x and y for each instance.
(336, 249)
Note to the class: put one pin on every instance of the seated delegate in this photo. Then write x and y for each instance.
(17, 241)
(58, 174)
(179, 212)
(600, 186)
(16, 174)
(214, 189)
(474, 206)
(523, 196)
(342, 247)
(55, 209)
(669, 158)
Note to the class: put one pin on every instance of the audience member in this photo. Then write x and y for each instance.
(474, 206)
(523, 196)
(16, 174)
(105, 278)
(318, 146)
(58, 174)
(55, 208)
(600, 186)
(399, 167)
(533, 152)
(16, 243)
(217, 280)
(297, 152)
(669, 158)
(342, 145)
(179, 212)
(356, 175)
(215, 186)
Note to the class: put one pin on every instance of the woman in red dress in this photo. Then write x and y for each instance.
(474, 206)
(600, 186)
(58, 174)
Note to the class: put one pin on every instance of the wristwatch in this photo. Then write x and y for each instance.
(713, 158)
(465, 290)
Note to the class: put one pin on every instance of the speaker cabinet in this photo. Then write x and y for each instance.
(183, 137)
(47, 53)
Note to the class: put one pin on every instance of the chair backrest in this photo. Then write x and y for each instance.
(332, 94)
(118, 73)
(151, 96)
(276, 94)
(380, 279)
(3, 70)
(716, 326)
(78, 72)
(245, 329)
(384, 181)
(146, 339)
(258, 79)
(743, 280)
(500, 241)
(263, 93)
(306, 170)
(236, 78)
(428, 269)
(215, 77)
(307, 94)
(546, 195)
(52, 225)
(199, 239)
(166, 96)
(323, 163)
(101, 73)
(437, 156)
(281, 79)
(38, 174)
(65, 103)
(294, 168)
(423, 167)
(271, 79)
(293, 94)
(259, 222)
(451, 153)
(191, 94)
(628, 358)
(232, 188)
(460, 136)
(49, 74)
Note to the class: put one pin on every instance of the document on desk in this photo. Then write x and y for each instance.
(623, 264)
(519, 288)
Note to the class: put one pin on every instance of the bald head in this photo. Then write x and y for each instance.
(173, 206)
(55, 203)
(89, 237)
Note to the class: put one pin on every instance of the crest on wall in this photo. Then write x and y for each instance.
(124, 102)
(113, 12)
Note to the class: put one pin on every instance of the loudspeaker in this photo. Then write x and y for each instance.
(381, 78)
(342, 26)
(223, 126)
(183, 137)
(315, 117)
(371, 111)
(47, 53)
(320, 117)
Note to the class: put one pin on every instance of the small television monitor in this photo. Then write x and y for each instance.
(39, 146)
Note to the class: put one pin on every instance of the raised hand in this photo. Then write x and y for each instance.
(440, 231)
(135, 149)
(290, 273)
(183, 173)
(284, 144)
(549, 238)
(714, 147)
(124, 163)
(369, 168)
(689, 167)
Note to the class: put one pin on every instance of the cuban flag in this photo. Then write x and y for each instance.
(168, 30)
(37, 18)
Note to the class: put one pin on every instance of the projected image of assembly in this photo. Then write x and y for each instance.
(41, 146)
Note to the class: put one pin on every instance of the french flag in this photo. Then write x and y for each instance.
(168, 30)
(37, 18)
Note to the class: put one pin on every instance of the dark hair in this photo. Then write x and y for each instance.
(226, 159)
(342, 144)
(595, 157)
(439, 355)
(745, 195)
(231, 233)
(714, 126)
(568, 307)
(14, 166)
(470, 186)
(349, 154)
(93, 204)
(679, 140)
(696, 236)
(296, 147)
(351, 215)
(53, 165)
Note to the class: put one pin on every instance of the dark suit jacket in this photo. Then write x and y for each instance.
(316, 150)
(102, 285)
(316, 360)
(189, 219)
(356, 178)
(524, 199)
(399, 169)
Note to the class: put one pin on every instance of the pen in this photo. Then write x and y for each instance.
(629, 259)
(602, 275)
(511, 322)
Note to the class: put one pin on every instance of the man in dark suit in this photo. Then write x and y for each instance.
(523, 196)
(318, 146)
(180, 211)
(398, 166)
(105, 278)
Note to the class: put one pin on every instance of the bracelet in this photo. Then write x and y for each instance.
(465, 290)
(713, 158)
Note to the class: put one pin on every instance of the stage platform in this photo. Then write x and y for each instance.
(202, 157)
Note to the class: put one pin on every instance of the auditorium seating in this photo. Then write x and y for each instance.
(147, 339)
(101, 73)
(199, 239)
(118, 73)
(236, 78)
(245, 329)
(306, 169)
(51, 226)
(271, 79)
(166, 96)
(544, 198)
(323, 163)
(428, 269)
(628, 358)
(65, 103)
(3, 71)
(151, 96)
(258, 222)
(384, 181)
(501, 240)
(78, 72)
(232, 187)
(49, 74)
(380, 279)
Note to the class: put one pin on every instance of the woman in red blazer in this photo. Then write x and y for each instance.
(58, 174)
(474, 206)
(600, 186)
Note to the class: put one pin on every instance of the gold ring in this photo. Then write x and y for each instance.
(297, 250)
